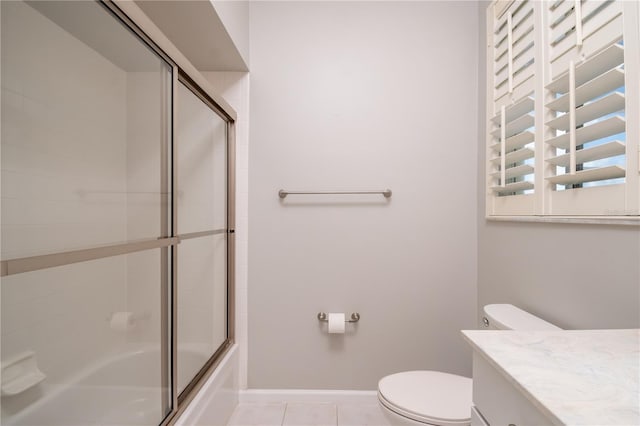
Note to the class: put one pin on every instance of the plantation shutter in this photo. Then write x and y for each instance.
(511, 126)
(563, 108)
(587, 138)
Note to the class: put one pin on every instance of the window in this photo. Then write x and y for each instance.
(563, 78)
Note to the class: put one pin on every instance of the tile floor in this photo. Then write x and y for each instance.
(307, 414)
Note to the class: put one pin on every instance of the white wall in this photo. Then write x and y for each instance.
(234, 15)
(594, 284)
(362, 95)
(576, 276)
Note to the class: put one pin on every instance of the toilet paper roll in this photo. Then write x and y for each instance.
(336, 323)
(122, 321)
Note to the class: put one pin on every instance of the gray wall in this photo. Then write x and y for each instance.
(576, 276)
(362, 95)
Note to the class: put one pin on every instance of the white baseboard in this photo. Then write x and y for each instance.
(304, 395)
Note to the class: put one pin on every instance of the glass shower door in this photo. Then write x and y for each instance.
(201, 147)
(86, 215)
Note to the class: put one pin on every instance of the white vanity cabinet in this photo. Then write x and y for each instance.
(497, 402)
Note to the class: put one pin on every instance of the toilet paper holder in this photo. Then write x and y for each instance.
(355, 317)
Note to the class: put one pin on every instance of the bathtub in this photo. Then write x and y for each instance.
(120, 390)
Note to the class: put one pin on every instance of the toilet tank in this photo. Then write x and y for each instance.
(503, 316)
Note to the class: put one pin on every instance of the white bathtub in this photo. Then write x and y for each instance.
(122, 390)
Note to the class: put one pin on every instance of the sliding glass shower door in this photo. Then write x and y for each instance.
(201, 148)
(86, 219)
(116, 231)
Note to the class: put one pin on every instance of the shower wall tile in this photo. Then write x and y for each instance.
(242, 152)
(143, 154)
(242, 180)
(56, 152)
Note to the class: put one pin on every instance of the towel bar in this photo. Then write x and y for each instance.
(283, 193)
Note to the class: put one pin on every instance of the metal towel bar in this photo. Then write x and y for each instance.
(283, 193)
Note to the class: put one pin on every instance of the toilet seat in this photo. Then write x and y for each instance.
(429, 397)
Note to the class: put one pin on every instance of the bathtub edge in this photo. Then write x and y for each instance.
(215, 401)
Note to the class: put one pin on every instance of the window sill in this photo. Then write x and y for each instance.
(592, 220)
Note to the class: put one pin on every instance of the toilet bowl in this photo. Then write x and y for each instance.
(442, 399)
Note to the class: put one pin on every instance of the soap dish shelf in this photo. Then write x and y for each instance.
(20, 373)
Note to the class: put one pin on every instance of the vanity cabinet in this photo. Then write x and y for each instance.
(555, 377)
(497, 402)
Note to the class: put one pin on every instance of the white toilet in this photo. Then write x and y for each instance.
(442, 399)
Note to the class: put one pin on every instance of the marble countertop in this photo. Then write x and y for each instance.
(574, 377)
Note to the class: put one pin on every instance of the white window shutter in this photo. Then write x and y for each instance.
(587, 86)
(563, 108)
(513, 45)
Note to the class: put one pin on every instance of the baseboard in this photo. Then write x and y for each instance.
(304, 395)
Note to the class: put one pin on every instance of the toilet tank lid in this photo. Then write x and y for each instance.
(504, 316)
